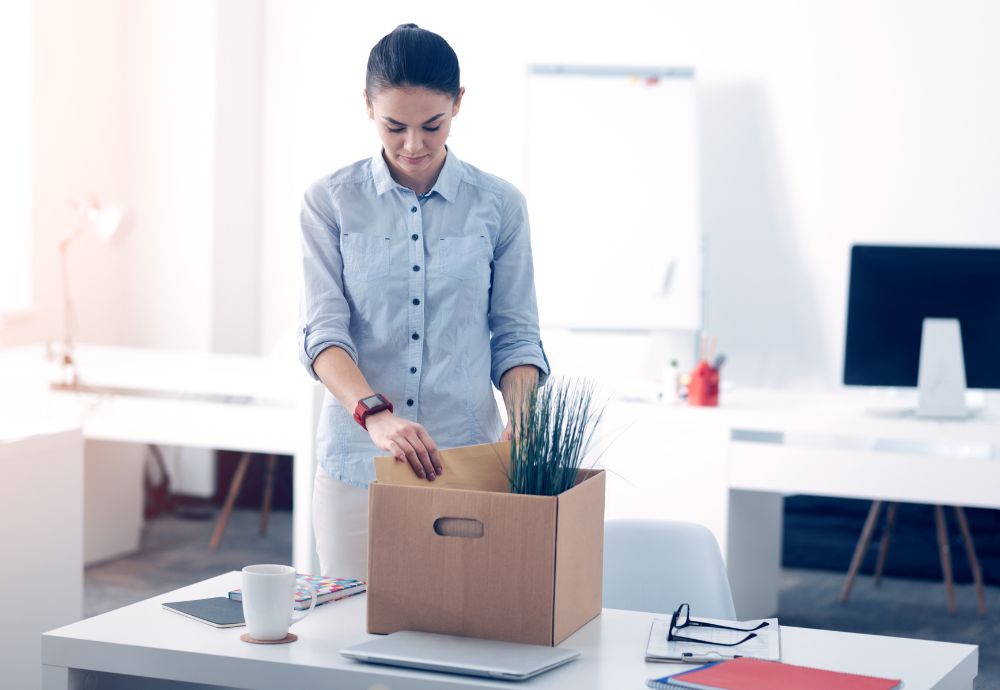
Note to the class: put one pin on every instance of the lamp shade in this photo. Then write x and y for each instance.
(106, 220)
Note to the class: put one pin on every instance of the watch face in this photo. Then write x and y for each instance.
(373, 401)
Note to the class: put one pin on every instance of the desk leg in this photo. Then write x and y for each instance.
(753, 549)
(304, 556)
(58, 678)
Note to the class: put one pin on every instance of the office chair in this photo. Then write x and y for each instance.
(656, 565)
(234, 491)
(158, 498)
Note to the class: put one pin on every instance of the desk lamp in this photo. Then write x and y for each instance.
(105, 221)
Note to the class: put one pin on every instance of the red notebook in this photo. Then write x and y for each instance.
(756, 674)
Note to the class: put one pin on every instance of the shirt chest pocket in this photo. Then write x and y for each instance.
(463, 257)
(366, 257)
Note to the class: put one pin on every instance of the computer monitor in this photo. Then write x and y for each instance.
(895, 289)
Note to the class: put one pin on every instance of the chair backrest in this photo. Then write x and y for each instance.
(656, 565)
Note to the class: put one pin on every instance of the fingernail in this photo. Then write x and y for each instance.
(431, 476)
(420, 474)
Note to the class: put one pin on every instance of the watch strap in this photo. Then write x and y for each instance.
(363, 411)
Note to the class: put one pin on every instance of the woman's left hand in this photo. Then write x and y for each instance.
(514, 386)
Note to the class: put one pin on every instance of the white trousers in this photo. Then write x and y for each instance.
(340, 525)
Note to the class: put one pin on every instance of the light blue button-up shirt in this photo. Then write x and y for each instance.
(432, 296)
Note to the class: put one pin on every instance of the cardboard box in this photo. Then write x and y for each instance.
(485, 564)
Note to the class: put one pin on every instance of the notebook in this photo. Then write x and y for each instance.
(219, 612)
(766, 643)
(327, 589)
(757, 674)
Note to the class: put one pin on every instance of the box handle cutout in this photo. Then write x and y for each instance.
(458, 527)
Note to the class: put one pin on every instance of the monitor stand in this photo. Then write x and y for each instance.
(941, 377)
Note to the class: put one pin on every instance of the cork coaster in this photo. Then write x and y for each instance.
(290, 637)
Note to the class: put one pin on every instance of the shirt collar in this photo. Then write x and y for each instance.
(449, 177)
(380, 173)
(446, 184)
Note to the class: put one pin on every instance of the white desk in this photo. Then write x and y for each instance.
(729, 467)
(41, 507)
(198, 400)
(129, 647)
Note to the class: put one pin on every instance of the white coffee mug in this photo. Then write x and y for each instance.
(269, 600)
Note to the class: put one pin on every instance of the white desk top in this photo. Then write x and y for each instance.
(145, 640)
(845, 412)
(14, 427)
(166, 372)
(135, 395)
(192, 373)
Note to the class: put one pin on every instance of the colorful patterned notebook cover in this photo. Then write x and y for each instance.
(327, 589)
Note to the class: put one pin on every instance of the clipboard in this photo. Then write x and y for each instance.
(765, 645)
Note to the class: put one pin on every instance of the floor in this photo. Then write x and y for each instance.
(175, 553)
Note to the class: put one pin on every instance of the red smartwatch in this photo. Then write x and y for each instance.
(369, 406)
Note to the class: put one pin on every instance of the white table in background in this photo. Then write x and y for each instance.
(729, 468)
(41, 540)
(197, 400)
(134, 645)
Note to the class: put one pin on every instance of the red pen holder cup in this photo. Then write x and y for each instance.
(703, 390)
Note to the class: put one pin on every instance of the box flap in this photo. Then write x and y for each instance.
(579, 554)
(476, 468)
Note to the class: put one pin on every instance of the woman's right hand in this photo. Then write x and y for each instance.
(407, 441)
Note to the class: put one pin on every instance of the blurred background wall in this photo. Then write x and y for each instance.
(822, 124)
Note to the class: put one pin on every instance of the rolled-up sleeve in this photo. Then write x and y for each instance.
(324, 313)
(514, 334)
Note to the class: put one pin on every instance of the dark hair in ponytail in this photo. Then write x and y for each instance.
(412, 57)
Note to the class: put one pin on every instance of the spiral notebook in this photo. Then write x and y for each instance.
(327, 589)
(757, 674)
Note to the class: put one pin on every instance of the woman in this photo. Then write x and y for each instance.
(419, 295)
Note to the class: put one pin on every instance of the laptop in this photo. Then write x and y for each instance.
(464, 655)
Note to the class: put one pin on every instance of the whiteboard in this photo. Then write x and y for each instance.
(612, 186)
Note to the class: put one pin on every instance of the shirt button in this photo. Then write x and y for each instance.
(413, 209)
(413, 370)
(414, 237)
(416, 268)
(410, 402)
(416, 302)
(415, 336)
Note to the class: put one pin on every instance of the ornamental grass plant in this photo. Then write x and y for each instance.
(553, 427)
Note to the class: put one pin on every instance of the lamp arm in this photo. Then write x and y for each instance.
(75, 228)
(69, 366)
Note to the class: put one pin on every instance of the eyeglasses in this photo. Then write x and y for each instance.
(682, 619)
